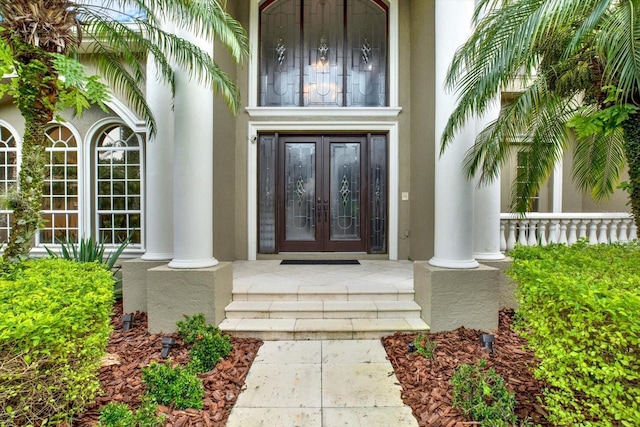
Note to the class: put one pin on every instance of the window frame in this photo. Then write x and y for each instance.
(392, 110)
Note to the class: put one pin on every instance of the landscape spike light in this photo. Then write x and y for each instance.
(487, 341)
(167, 343)
(127, 319)
(412, 347)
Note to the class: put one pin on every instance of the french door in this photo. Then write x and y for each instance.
(322, 193)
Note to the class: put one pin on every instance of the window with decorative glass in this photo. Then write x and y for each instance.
(323, 53)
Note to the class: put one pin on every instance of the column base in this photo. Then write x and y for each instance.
(488, 256)
(452, 298)
(447, 263)
(193, 263)
(174, 293)
(157, 257)
(506, 286)
(134, 284)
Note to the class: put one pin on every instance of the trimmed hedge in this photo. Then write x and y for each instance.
(54, 327)
(580, 310)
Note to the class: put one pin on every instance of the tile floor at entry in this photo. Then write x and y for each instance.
(321, 383)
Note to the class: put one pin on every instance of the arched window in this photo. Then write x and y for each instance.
(8, 175)
(60, 199)
(323, 53)
(119, 186)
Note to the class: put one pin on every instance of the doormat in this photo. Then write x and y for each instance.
(319, 262)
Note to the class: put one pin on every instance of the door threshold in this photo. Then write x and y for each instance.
(322, 255)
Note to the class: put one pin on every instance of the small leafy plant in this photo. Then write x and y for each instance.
(89, 250)
(177, 386)
(425, 346)
(208, 346)
(481, 395)
(120, 415)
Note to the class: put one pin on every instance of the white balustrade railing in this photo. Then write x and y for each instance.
(544, 228)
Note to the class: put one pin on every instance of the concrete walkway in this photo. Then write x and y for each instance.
(321, 383)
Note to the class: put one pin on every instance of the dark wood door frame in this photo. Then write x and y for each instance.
(323, 208)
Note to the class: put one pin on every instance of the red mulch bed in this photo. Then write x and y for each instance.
(425, 383)
(136, 348)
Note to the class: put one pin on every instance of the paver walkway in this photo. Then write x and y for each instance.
(321, 383)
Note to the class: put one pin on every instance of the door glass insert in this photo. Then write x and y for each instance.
(300, 191)
(267, 194)
(378, 194)
(345, 185)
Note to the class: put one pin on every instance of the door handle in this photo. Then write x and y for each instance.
(319, 210)
(326, 210)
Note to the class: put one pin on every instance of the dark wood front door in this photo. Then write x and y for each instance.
(322, 193)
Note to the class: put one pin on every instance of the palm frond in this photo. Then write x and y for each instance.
(618, 42)
(598, 161)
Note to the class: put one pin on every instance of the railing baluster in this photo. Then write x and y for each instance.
(563, 231)
(633, 231)
(543, 232)
(582, 229)
(511, 240)
(602, 237)
(533, 235)
(553, 231)
(613, 231)
(622, 233)
(593, 232)
(503, 240)
(573, 237)
(522, 232)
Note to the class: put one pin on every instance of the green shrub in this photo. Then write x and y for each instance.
(116, 415)
(580, 310)
(481, 395)
(89, 250)
(54, 327)
(119, 415)
(168, 385)
(208, 346)
(425, 346)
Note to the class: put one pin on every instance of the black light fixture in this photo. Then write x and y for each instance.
(412, 347)
(167, 343)
(487, 341)
(126, 321)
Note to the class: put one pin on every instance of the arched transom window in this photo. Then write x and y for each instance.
(323, 53)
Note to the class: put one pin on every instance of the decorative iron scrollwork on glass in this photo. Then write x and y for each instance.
(345, 190)
(281, 50)
(366, 51)
(323, 50)
(300, 188)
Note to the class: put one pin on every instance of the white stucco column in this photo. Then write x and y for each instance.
(193, 170)
(453, 234)
(486, 226)
(159, 170)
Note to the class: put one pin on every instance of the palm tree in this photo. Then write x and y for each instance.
(580, 63)
(40, 38)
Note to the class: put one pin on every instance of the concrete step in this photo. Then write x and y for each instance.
(324, 293)
(317, 309)
(321, 329)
